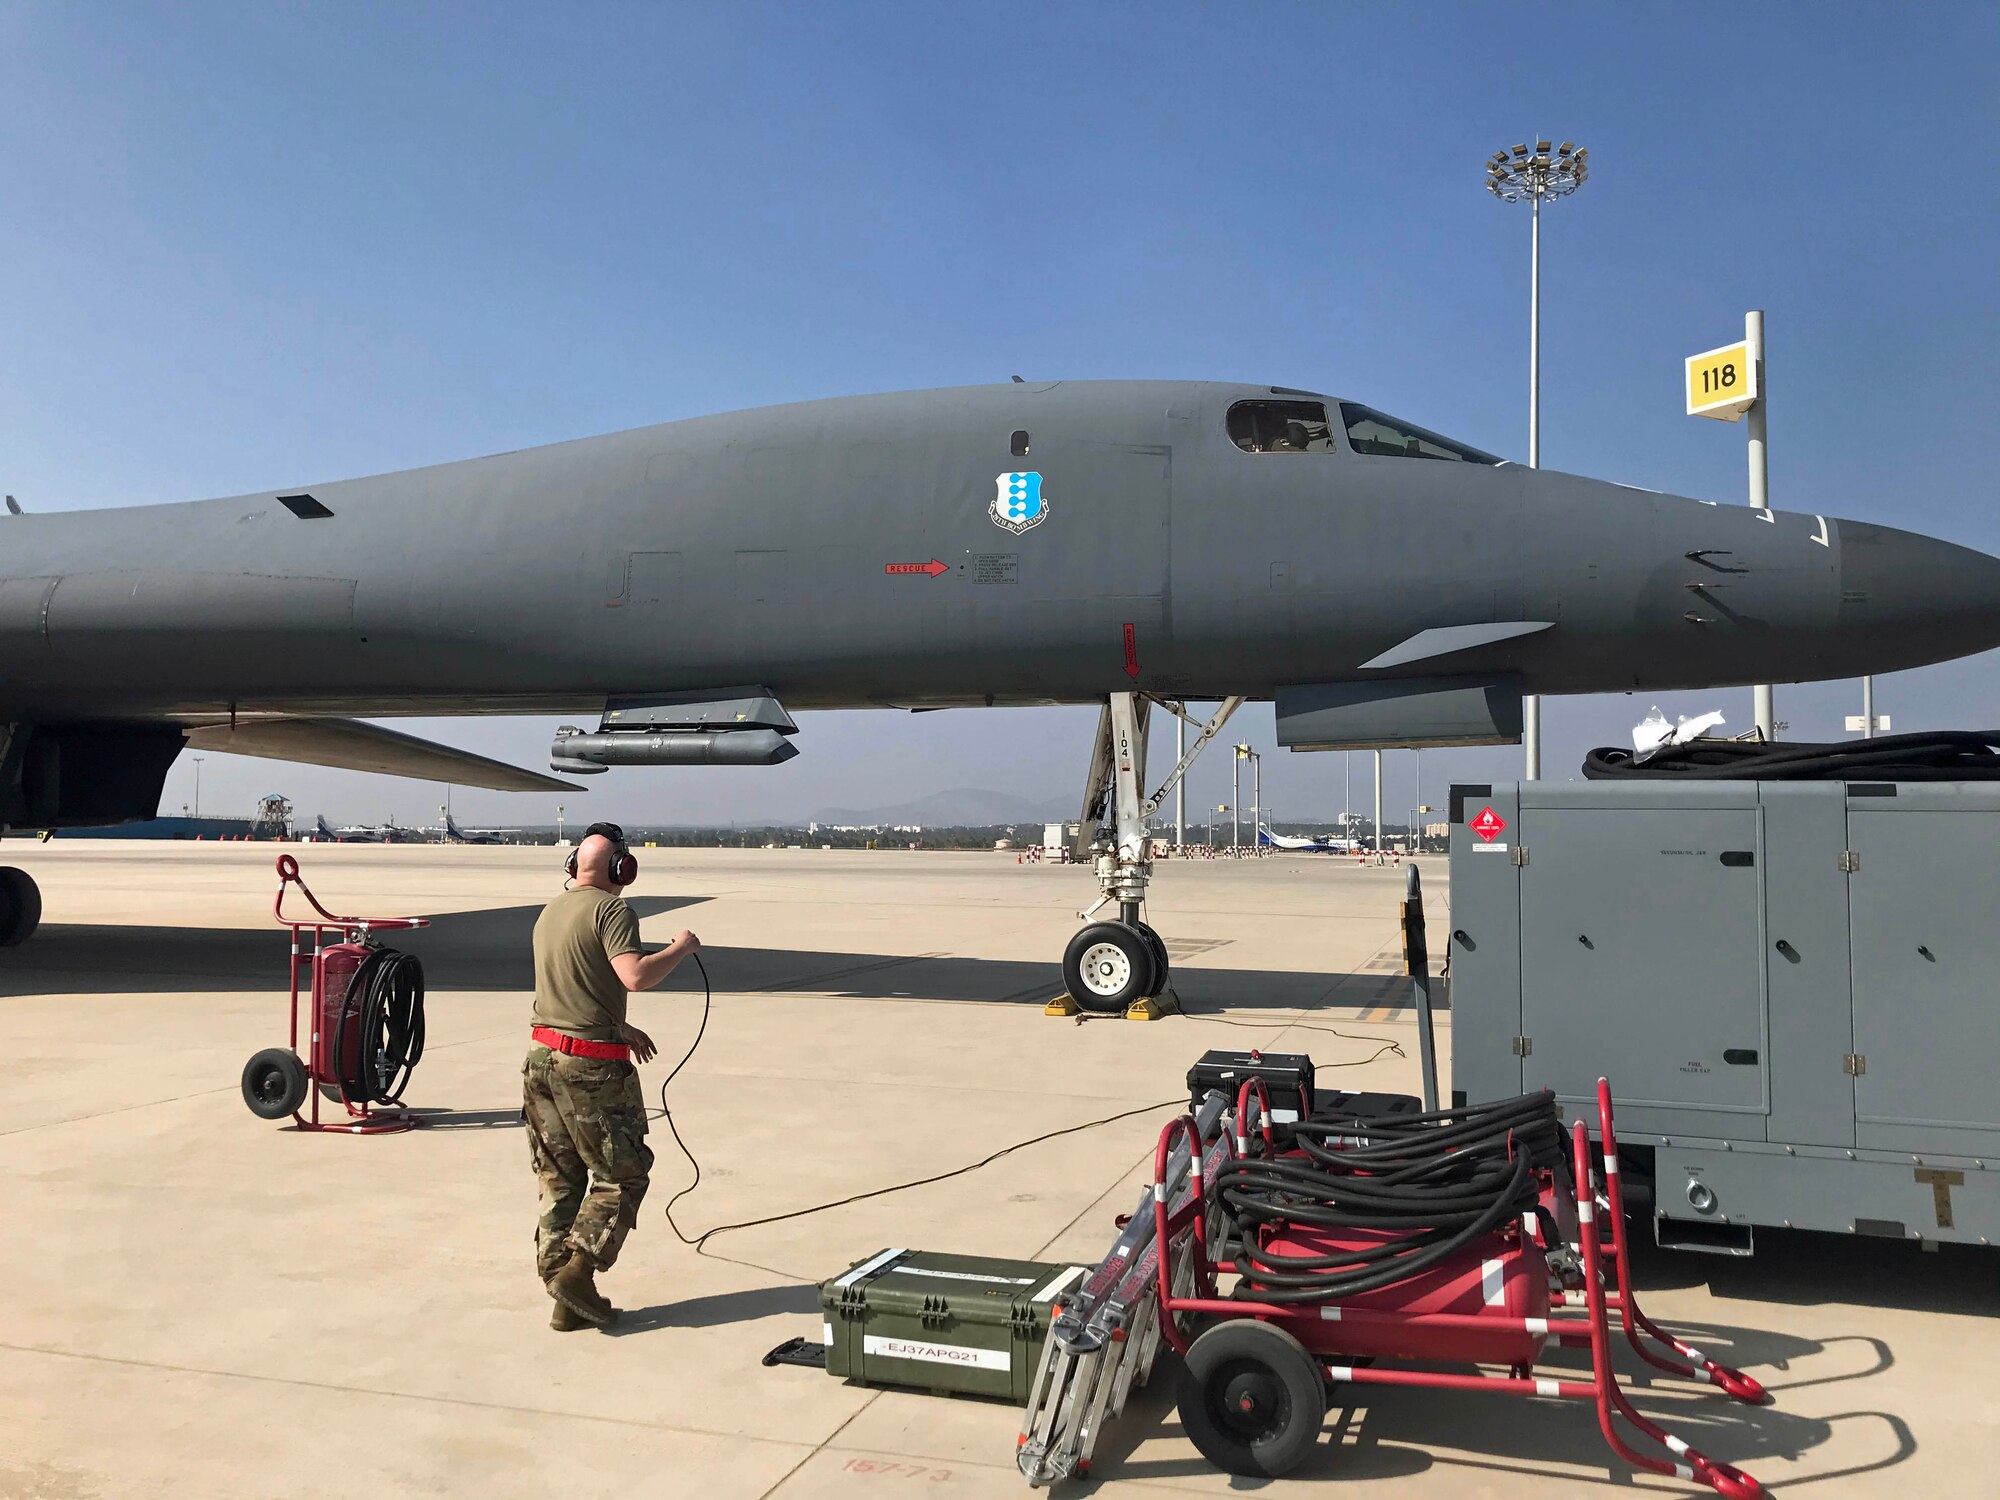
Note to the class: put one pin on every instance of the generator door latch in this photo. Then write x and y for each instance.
(1524, 1046)
(1854, 1064)
(1850, 861)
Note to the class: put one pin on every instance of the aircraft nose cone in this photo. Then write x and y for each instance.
(1907, 600)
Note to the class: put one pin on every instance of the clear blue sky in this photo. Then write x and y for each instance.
(250, 245)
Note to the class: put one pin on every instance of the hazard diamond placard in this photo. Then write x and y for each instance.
(1489, 825)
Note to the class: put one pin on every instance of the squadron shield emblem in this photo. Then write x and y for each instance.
(1018, 503)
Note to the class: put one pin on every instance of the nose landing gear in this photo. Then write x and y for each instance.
(20, 906)
(1109, 966)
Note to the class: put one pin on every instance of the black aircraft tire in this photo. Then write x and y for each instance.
(20, 906)
(1106, 967)
(274, 1083)
(1162, 966)
(1251, 1398)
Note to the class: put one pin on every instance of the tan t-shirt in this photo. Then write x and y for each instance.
(576, 937)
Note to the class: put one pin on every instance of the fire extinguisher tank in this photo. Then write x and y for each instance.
(338, 1055)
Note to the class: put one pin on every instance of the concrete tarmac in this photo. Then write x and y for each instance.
(202, 1303)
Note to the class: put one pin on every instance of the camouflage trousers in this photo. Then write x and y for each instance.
(586, 1124)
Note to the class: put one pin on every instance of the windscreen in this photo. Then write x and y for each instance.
(1371, 431)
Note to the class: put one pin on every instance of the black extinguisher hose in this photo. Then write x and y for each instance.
(385, 999)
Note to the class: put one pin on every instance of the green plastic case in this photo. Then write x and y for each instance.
(957, 1324)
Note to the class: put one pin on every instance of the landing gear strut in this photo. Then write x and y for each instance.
(1111, 964)
(20, 906)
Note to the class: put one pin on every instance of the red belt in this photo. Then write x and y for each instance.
(577, 1047)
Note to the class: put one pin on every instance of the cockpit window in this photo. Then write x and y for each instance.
(1370, 431)
(1280, 427)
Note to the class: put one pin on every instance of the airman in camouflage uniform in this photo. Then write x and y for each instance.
(587, 1136)
(580, 1096)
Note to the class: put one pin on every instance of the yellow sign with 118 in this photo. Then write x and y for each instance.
(1722, 383)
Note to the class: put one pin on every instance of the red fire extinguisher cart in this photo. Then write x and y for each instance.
(364, 1006)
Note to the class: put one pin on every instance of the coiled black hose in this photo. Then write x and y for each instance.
(385, 1000)
(1943, 755)
(1437, 1182)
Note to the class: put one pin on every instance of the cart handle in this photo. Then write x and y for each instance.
(1253, 1088)
(288, 876)
(1731, 1381)
(1197, 1205)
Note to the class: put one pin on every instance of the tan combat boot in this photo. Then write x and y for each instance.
(575, 1289)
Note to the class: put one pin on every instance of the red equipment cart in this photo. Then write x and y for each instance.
(277, 1081)
(1254, 1389)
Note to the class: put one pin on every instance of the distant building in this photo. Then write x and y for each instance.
(166, 828)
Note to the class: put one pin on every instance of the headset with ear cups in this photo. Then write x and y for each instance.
(624, 867)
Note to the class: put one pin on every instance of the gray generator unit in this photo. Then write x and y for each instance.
(1793, 987)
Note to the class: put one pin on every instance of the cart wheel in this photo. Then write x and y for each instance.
(1107, 966)
(274, 1083)
(1161, 964)
(1251, 1398)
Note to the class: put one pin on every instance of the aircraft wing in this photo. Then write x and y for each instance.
(353, 745)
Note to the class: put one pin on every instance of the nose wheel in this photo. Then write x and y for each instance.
(1108, 965)
(20, 906)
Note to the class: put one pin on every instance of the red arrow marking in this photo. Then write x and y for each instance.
(933, 567)
(1132, 652)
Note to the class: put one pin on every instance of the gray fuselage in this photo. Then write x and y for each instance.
(754, 547)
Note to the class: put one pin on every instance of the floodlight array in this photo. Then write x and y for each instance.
(1544, 170)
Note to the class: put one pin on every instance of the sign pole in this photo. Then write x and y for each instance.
(1760, 494)
(1868, 708)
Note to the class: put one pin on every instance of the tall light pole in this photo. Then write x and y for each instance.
(1236, 797)
(1243, 753)
(1378, 805)
(1180, 784)
(1513, 177)
(197, 784)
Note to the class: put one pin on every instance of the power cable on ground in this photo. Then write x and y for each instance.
(700, 1240)
(1384, 1045)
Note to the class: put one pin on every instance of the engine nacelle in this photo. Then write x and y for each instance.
(729, 727)
(83, 775)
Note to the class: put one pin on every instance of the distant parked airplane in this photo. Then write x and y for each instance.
(1325, 843)
(389, 833)
(453, 834)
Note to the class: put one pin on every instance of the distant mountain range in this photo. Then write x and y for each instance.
(961, 806)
